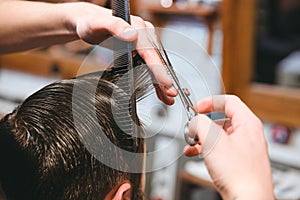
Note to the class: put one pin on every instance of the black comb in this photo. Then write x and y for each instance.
(126, 115)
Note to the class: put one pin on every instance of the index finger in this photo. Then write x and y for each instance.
(149, 54)
(231, 105)
(208, 133)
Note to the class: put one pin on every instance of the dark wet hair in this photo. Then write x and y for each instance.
(41, 150)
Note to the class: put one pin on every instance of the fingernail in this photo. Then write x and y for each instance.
(129, 33)
(171, 91)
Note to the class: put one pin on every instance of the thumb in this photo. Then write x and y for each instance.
(208, 133)
(127, 34)
(122, 30)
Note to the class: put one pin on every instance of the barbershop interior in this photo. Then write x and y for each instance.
(247, 48)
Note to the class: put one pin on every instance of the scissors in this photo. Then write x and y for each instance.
(182, 92)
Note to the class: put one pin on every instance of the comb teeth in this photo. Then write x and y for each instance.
(126, 116)
(121, 8)
(123, 55)
(122, 98)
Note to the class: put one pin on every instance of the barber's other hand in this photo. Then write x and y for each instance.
(94, 24)
(237, 159)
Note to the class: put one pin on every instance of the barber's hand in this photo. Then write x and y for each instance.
(237, 159)
(94, 24)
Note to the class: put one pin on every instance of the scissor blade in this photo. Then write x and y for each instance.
(186, 101)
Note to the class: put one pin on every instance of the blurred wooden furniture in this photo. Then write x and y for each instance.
(188, 182)
(186, 176)
(270, 102)
(41, 62)
(160, 15)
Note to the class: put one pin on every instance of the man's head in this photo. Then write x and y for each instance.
(41, 150)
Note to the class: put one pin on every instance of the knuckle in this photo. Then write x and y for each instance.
(234, 98)
(146, 53)
(149, 24)
(258, 123)
(139, 21)
(201, 117)
(118, 22)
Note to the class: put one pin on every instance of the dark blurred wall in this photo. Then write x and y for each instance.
(278, 34)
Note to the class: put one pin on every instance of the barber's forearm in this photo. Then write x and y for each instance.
(26, 25)
(249, 192)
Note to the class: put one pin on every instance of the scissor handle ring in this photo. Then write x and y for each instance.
(190, 115)
(189, 140)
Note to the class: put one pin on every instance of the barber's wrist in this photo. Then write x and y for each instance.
(249, 191)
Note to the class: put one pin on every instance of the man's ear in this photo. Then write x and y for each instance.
(123, 192)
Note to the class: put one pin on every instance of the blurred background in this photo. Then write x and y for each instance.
(248, 48)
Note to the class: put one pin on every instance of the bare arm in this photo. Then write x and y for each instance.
(27, 25)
